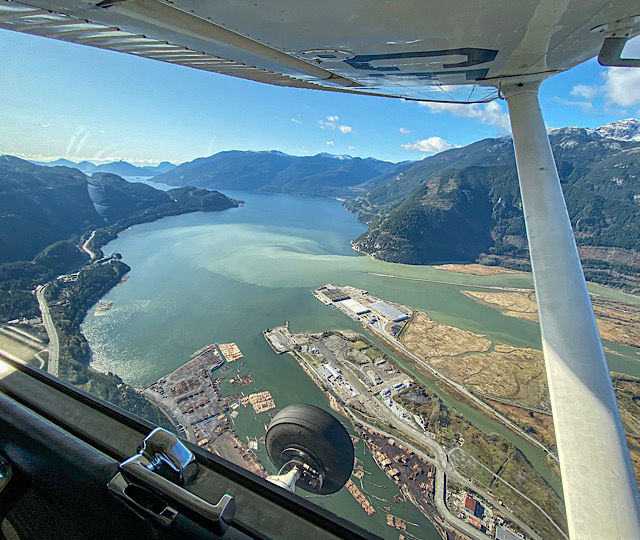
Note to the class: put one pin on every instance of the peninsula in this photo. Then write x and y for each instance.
(412, 436)
(191, 397)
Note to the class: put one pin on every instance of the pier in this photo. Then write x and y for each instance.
(190, 396)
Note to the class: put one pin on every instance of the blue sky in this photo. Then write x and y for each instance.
(65, 100)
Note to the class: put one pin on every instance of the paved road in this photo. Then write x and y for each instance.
(441, 460)
(462, 389)
(444, 467)
(85, 248)
(440, 490)
(500, 479)
(54, 342)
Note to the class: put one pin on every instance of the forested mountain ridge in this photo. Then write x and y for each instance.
(322, 175)
(121, 168)
(42, 205)
(46, 212)
(463, 205)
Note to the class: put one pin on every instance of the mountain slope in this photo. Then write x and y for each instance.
(464, 205)
(121, 168)
(320, 175)
(42, 205)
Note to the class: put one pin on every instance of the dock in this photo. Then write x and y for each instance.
(190, 396)
(279, 338)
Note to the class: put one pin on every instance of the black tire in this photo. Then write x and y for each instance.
(318, 433)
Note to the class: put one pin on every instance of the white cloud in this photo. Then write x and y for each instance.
(620, 89)
(621, 86)
(330, 143)
(296, 121)
(331, 122)
(45, 125)
(586, 106)
(488, 113)
(585, 91)
(404, 131)
(432, 145)
(328, 123)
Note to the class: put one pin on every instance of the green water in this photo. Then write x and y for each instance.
(226, 276)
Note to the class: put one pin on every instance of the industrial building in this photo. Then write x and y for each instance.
(470, 503)
(389, 311)
(354, 306)
(332, 371)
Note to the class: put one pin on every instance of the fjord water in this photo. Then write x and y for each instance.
(223, 277)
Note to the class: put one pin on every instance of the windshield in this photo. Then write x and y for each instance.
(205, 251)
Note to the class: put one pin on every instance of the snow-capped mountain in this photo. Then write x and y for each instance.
(620, 130)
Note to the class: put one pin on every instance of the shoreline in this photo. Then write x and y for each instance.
(417, 489)
(191, 397)
(477, 269)
(337, 407)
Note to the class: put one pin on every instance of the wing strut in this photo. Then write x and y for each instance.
(599, 485)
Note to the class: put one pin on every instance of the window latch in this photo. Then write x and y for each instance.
(152, 484)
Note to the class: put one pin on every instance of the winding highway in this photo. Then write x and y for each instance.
(439, 458)
(85, 247)
(54, 342)
(445, 468)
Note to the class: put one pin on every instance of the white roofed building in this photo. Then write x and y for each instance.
(389, 311)
(354, 306)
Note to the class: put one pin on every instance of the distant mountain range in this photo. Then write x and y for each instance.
(463, 205)
(121, 168)
(42, 205)
(323, 175)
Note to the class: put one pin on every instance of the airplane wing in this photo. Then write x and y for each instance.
(455, 51)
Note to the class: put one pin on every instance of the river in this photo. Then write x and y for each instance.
(226, 276)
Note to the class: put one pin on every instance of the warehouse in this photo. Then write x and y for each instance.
(389, 312)
(355, 307)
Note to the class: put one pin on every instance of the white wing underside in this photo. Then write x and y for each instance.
(456, 51)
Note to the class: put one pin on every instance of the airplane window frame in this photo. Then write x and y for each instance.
(85, 417)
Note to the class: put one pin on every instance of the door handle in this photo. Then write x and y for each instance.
(151, 483)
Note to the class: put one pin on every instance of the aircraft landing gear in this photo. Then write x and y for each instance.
(311, 448)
